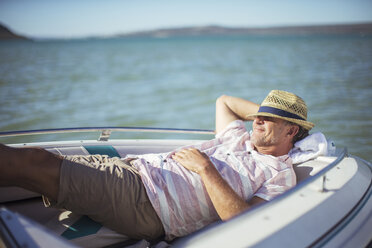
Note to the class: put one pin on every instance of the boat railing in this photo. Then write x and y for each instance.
(105, 132)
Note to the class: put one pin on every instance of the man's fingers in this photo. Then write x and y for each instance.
(190, 150)
(188, 153)
(181, 153)
(178, 155)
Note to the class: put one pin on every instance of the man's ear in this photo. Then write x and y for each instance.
(293, 130)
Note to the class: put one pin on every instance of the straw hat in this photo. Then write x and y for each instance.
(285, 105)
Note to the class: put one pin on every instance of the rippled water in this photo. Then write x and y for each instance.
(174, 82)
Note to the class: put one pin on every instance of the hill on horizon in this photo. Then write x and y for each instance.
(339, 29)
(6, 34)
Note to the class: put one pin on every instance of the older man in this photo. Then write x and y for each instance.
(179, 192)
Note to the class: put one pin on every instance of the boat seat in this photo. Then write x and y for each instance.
(311, 167)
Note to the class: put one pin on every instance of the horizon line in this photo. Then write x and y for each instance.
(180, 27)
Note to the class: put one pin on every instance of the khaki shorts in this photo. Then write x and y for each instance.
(109, 191)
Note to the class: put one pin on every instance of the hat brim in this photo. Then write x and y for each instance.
(305, 124)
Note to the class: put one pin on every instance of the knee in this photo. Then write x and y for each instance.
(38, 156)
(33, 163)
(42, 160)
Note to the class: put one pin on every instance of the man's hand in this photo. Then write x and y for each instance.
(193, 160)
(226, 202)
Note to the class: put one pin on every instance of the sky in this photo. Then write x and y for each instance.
(81, 18)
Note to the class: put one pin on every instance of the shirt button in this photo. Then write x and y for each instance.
(164, 160)
(228, 154)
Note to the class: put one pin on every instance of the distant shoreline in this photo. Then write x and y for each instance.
(361, 29)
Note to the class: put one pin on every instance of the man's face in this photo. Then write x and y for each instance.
(268, 131)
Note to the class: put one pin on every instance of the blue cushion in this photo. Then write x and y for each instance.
(82, 227)
(102, 150)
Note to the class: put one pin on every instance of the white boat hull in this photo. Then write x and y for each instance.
(330, 207)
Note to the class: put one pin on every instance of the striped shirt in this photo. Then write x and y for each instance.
(179, 196)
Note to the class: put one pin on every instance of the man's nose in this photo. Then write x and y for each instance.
(259, 119)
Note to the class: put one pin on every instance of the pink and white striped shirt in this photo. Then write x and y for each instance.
(178, 195)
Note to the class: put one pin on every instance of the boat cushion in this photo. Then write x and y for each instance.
(102, 150)
(311, 167)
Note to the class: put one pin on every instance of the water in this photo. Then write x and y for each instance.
(174, 82)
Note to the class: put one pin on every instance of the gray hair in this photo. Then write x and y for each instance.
(302, 132)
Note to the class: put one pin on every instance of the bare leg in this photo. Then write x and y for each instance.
(34, 169)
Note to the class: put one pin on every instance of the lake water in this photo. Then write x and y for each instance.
(173, 82)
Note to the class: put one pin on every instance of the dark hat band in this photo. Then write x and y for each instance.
(279, 112)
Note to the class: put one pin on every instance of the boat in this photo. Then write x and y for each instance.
(329, 207)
